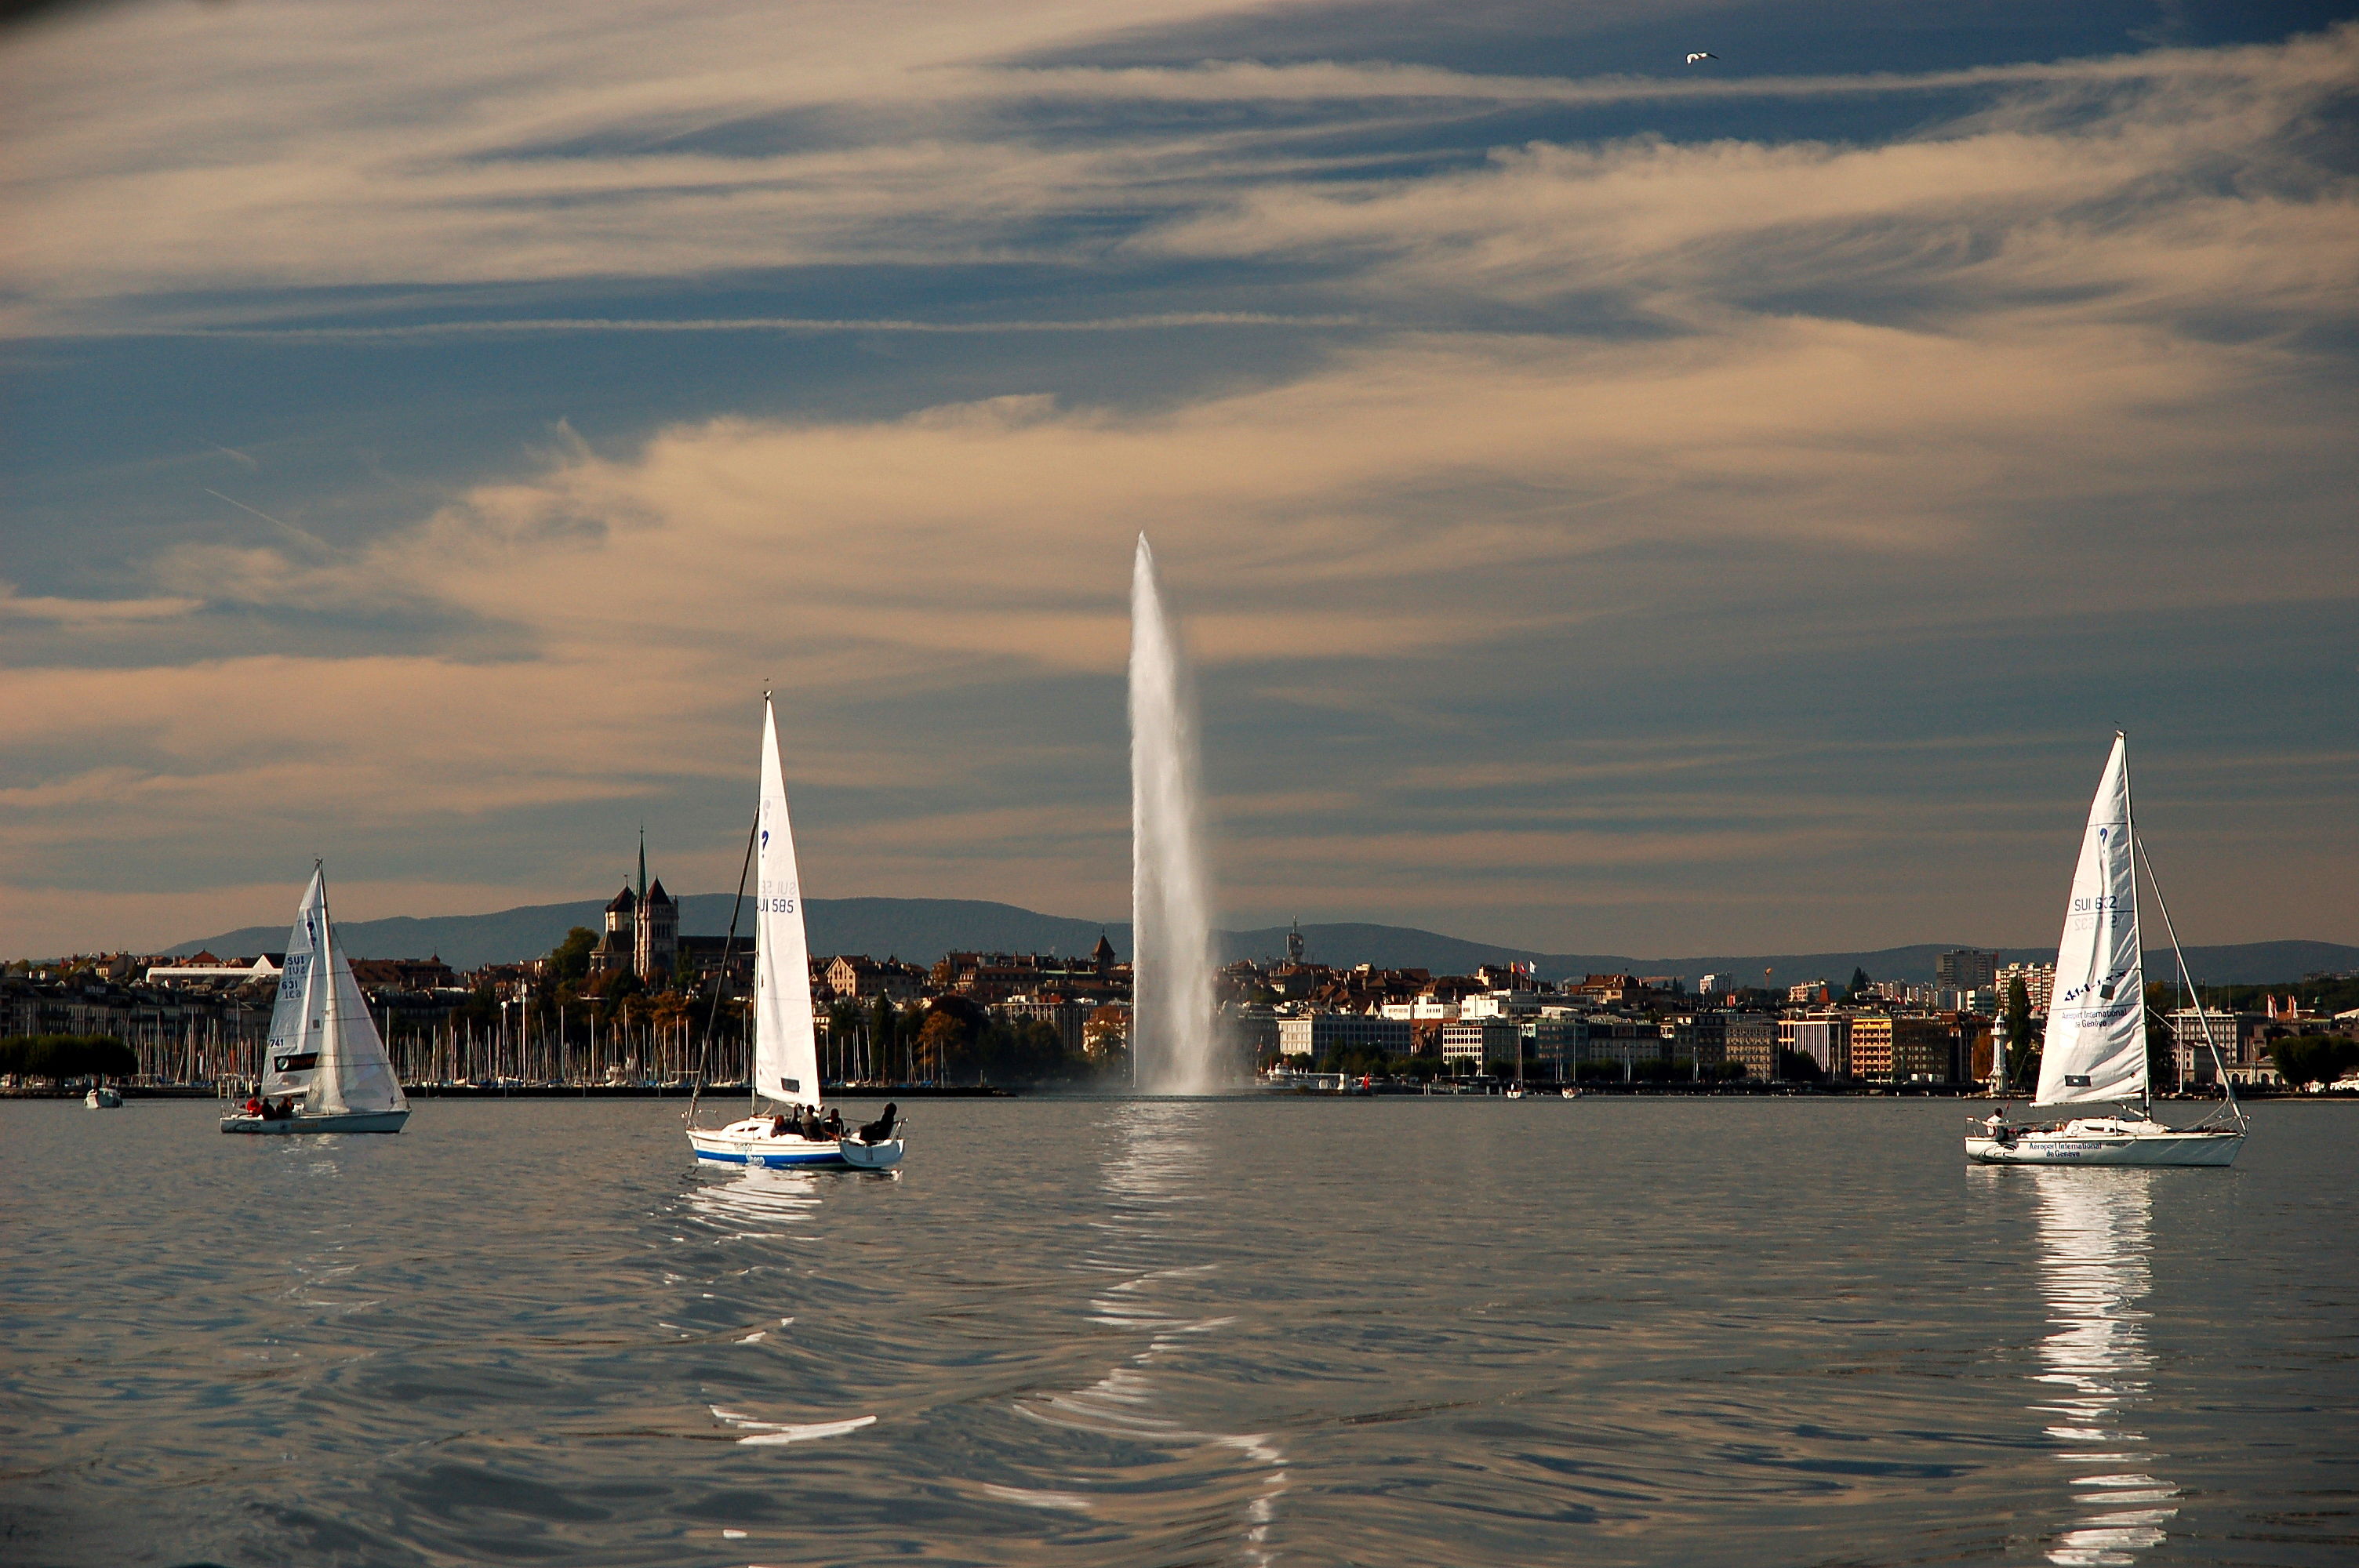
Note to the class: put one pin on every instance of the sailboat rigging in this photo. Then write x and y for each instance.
(327, 1064)
(2095, 1049)
(785, 1068)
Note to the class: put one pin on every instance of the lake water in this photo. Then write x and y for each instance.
(1305, 1331)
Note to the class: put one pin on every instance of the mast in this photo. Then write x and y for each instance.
(2129, 820)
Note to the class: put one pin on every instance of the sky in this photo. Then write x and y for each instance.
(1615, 505)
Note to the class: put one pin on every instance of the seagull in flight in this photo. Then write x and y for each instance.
(1701, 54)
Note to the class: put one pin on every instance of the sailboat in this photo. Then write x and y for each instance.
(786, 1046)
(327, 1063)
(2095, 1047)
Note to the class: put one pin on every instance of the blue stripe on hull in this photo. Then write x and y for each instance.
(771, 1163)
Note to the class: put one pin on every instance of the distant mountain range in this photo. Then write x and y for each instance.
(921, 930)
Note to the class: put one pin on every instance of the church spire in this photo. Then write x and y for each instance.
(642, 862)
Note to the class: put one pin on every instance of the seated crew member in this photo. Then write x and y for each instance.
(777, 1127)
(253, 1106)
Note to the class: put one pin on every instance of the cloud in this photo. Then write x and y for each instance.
(2182, 187)
(1671, 410)
(1410, 499)
(91, 613)
(416, 331)
(626, 141)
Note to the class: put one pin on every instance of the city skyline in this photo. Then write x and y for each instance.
(1614, 506)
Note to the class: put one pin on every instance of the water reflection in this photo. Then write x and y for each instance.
(755, 1201)
(1150, 1182)
(2096, 1245)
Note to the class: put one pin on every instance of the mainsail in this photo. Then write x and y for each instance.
(2095, 1048)
(786, 1052)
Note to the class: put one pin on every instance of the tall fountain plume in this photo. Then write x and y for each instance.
(1170, 909)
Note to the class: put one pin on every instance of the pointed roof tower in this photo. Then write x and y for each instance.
(642, 862)
(1103, 954)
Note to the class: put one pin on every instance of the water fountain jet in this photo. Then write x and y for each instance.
(1171, 909)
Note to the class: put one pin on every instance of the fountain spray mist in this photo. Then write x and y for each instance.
(1170, 912)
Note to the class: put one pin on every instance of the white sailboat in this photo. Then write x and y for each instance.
(2095, 1047)
(785, 1044)
(327, 1063)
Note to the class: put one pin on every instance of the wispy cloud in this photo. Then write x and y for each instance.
(91, 612)
(1173, 321)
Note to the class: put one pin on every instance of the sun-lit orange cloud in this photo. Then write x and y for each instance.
(2059, 339)
(1360, 513)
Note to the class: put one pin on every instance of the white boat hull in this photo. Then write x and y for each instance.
(753, 1142)
(350, 1121)
(2108, 1143)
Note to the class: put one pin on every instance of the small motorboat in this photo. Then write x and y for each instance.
(1570, 1094)
(874, 1145)
(102, 1097)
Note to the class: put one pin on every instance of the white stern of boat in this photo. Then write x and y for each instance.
(881, 1156)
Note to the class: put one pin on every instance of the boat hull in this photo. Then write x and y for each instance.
(757, 1146)
(350, 1121)
(753, 1142)
(2162, 1147)
(103, 1098)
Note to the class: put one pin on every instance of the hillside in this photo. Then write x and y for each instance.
(921, 929)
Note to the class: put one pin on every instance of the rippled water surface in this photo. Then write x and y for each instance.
(1375, 1332)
